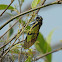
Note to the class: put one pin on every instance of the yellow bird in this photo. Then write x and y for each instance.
(33, 33)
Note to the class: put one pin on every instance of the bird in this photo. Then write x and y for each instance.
(33, 32)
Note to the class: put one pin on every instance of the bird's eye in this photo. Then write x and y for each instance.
(37, 19)
(40, 17)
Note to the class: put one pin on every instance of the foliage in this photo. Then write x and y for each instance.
(15, 49)
(48, 39)
(43, 47)
(1, 41)
(28, 59)
(35, 3)
(3, 6)
(10, 31)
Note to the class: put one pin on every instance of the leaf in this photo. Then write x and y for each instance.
(3, 6)
(11, 14)
(60, 40)
(35, 3)
(22, 0)
(21, 21)
(28, 59)
(15, 51)
(48, 39)
(28, 27)
(10, 31)
(17, 44)
(43, 47)
(13, 57)
(1, 41)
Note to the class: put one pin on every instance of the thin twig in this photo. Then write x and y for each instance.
(7, 50)
(7, 42)
(20, 4)
(9, 28)
(56, 2)
(15, 35)
(43, 2)
(10, 40)
(41, 5)
(5, 33)
(6, 8)
(12, 46)
(16, 38)
(48, 53)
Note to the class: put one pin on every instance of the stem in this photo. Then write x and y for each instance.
(6, 8)
(56, 2)
(15, 39)
(12, 46)
(48, 53)
(19, 5)
(41, 5)
(9, 29)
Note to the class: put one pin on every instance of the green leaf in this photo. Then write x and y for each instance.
(10, 31)
(21, 21)
(15, 51)
(22, 0)
(28, 27)
(1, 41)
(35, 3)
(28, 59)
(17, 44)
(3, 6)
(48, 39)
(13, 57)
(43, 47)
(11, 14)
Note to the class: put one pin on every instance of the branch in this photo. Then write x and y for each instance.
(43, 2)
(1, 56)
(7, 42)
(15, 44)
(6, 8)
(12, 46)
(41, 5)
(48, 53)
(15, 35)
(12, 37)
(9, 29)
(56, 2)
(10, 40)
(17, 38)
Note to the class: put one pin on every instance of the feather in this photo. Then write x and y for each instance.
(33, 33)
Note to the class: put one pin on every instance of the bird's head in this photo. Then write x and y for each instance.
(39, 18)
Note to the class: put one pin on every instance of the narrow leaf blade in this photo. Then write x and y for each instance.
(49, 37)
(35, 3)
(3, 6)
(43, 47)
